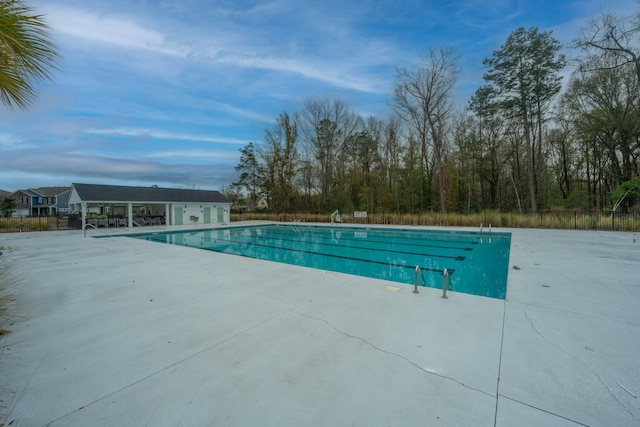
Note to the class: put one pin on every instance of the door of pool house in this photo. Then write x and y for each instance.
(177, 216)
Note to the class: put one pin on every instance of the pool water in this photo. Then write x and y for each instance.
(477, 263)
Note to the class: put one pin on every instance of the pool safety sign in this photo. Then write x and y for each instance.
(360, 214)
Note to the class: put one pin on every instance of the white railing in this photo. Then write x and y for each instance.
(93, 226)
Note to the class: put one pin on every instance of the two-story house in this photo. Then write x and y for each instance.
(42, 201)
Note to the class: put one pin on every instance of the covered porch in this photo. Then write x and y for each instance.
(104, 206)
(110, 215)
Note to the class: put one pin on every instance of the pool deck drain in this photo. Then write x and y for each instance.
(126, 332)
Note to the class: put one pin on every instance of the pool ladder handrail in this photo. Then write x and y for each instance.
(415, 279)
(445, 275)
(482, 228)
(93, 226)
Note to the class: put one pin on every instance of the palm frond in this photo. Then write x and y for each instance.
(27, 53)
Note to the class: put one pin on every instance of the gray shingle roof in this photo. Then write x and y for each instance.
(121, 193)
(50, 191)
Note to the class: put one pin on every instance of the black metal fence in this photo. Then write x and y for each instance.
(577, 220)
(568, 220)
(38, 223)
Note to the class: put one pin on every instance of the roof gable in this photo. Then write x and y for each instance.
(23, 193)
(51, 191)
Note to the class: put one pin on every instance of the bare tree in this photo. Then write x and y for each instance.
(392, 147)
(326, 125)
(280, 158)
(423, 99)
(616, 35)
(604, 106)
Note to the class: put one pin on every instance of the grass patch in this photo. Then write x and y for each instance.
(7, 300)
(26, 224)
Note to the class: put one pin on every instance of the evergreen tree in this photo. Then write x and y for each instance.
(525, 74)
(249, 169)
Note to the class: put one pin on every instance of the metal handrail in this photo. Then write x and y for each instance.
(93, 226)
(415, 279)
(445, 275)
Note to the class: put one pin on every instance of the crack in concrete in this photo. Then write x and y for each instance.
(577, 360)
(504, 318)
(391, 353)
(542, 410)
(170, 366)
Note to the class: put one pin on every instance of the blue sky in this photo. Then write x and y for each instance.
(166, 92)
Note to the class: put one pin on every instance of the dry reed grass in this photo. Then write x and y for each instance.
(7, 300)
(550, 219)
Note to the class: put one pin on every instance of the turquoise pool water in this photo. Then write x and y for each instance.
(477, 262)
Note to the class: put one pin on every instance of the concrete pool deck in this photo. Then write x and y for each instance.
(128, 332)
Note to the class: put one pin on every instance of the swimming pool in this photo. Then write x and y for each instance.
(477, 263)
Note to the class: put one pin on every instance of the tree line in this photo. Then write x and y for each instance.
(521, 143)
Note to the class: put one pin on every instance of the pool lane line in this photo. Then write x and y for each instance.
(422, 234)
(325, 231)
(350, 239)
(450, 238)
(204, 239)
(387, 264)
(458, 258)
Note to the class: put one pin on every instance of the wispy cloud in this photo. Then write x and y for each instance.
(95, 167)
(156, 134)
(87, 26)
(211, 155)
(9, 141)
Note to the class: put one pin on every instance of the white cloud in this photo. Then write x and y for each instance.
(150, 133)
(112, 30)
(194, 154)
(11, 142)
(335, 75)
(213, 47)
(240, 112)
(78, 168)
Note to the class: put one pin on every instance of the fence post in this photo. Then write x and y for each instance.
(613, 220)
(541, 219)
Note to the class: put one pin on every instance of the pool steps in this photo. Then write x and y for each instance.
(445, 275)
(481, 228)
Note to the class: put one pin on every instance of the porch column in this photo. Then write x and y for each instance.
(83, 208)
(167, 210)
(130, 214)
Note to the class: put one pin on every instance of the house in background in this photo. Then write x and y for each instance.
(42, 201)
(262, 203)
(149, 205)
(252, 205)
